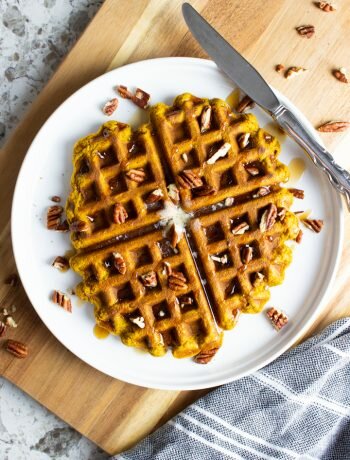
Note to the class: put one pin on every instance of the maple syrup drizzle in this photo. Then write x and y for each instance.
(296, 168)
(274, 129)
(100, 332)
(233, 98)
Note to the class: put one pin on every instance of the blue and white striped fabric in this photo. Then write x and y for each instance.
(296, 408)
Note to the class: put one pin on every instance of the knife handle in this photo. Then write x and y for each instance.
(338, 177)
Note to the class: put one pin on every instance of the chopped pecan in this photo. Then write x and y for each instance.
(334, 127)
(174, 235)
(10, 322)
(139, 321)
(62, 300)
(186, 300)
(119, 214)
(3, 329)
(167, 269)
(220, 153)
(204, 190)
(136, 175)
(298, 193)
(340, 74)
(149, 279)
(205, 118)
(268, 218)
(177, 281)
(205, 356)
(184, 156)
(79, 226)
(110, 107)
(244, 104)
(12, 279)
(18, 349)
(154, 196)
(243, 140)
(247, 254)
(252, 170)
(173, 193)
(262, 191)
(222, 260)
(119, 263)
(141, 98)
(294, 71)
(299, 237)
(61, 263)
(277, 317)
(281, 213)
(240, 228)
(325, 6)
(63, 226)
(124, 92)
(306, 31)
(188, 179)
(56, 199)
(279, 68)
(54, 214)
(229, 201)
(313, 224)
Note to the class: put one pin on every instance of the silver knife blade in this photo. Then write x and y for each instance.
(230, 61)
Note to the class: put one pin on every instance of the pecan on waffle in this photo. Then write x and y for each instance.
(143, 304)
(114, 169)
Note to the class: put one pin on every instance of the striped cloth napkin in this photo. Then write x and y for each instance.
(298, 407)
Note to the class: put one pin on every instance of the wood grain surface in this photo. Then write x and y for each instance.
(113, 414)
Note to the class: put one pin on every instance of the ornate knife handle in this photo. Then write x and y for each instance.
(338, 177)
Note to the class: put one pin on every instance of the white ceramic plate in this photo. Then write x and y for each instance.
(46, 171)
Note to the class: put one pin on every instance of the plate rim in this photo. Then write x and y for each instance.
(220, 381)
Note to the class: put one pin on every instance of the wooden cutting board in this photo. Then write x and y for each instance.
(111, 413)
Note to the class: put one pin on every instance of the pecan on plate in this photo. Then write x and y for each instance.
(299, 237)
(268, 218)
(205, 356)
(177, 281)
(18, 349)
(188, 179)
(56, 199)
(298, 193)
(119, 214)
(119, 263)
(61, 263)
(62, 300)
(313, 224)
(53, 218)
(141, 98)
(277, 317)
(110, 107)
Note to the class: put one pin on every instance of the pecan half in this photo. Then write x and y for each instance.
(299, 237)
(204, 190)
(247, 254)
(154, 196)
(313, 224)
(205, 356)
(174, 235)
(244, 104)
(119, 214)
(281, 213)
(188, 179)
(18, 349)
(243, 140)
(56, 199)
(220, 153)
(62, 300)
(277, 317)
(240, 228)
(334, 127)
(177, 281)
(325, 6)
(294, 71)
(124, 92)
(205, 118)
(12, 279)
(110, 107)
(149, 279)
(136, 175)
(306, 31)
(173, 193)
(119, 263)
(340, 74)
(252, 170)
(268, 218)
(3, 329)
(79, 226)
(61, 263)
(141, 98)
(279, 68)
(298, 193)
(262, 191)
(53, 218)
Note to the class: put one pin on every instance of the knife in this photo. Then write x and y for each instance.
(252, 83)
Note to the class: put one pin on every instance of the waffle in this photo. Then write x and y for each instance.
(223, 272)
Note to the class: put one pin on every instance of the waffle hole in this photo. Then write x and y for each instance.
(151, 289)
(197, 328)
(90, 274)
(117, 184)
(136, 148)
(227, 179)
(110, 266)
(232, 288)
(170, 337)
(254, 169)
(190, 159)
(124, 292)
(161, 311)
(142, 256)
(130, 209)
(211, 149)
(187, 302)
(90, 193)
(180, 133)
(214, 123)
(214, 233)
(256, 277)
(107, 158)
(255, 250)
(99, 221)
(83, 167)
(166, 249)
(224, 262)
